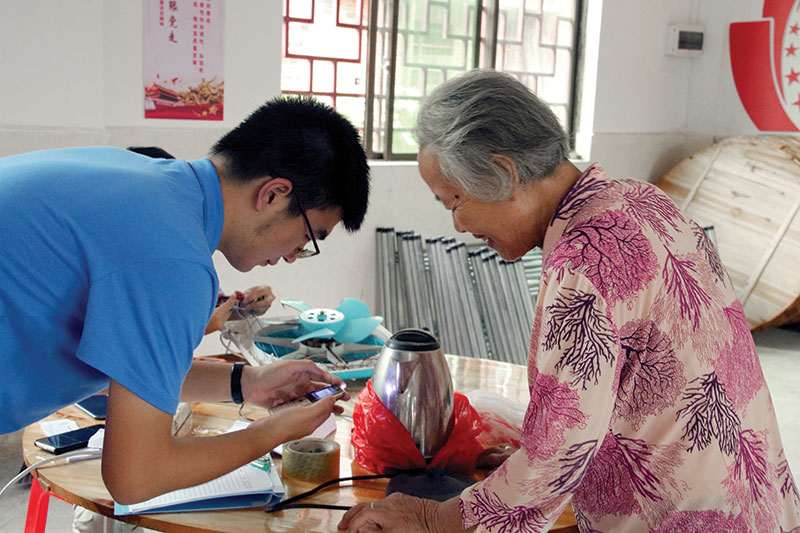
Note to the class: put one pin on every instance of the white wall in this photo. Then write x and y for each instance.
(714, 107)
(652, 110)
(51, 63)
(71, 74)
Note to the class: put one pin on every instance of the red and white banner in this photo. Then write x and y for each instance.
(183, 59)
(765, 61)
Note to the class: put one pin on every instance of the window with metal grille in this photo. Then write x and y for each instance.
(375, 60)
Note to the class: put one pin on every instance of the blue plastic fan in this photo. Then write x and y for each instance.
(350, 322)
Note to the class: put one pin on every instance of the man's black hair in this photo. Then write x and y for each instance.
(308, 143)
(151, 151)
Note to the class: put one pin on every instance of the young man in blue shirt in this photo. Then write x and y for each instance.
(101, 246)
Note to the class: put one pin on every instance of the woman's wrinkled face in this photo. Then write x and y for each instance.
(492, 222)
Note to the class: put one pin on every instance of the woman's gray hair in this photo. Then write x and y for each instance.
(467, 120)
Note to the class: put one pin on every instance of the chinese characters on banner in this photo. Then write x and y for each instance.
(183, 61)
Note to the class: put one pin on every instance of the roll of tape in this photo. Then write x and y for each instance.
(315, 460)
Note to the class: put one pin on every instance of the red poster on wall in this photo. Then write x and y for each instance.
(765, 61)
(183, 59)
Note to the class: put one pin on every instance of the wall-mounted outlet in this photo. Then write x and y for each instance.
(685, 40)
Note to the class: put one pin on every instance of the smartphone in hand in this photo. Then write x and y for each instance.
(70, 440)
(332, 390)
(94, 406)
(311, 397)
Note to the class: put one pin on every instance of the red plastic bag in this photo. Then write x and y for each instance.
(383, 445)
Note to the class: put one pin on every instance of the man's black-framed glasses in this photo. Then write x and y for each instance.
(305, 252)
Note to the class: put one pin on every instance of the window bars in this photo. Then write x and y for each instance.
(375, 60)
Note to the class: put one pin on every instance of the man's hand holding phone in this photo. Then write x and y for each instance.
(308, 392)
(331, 391)
(297, 420)
(283, 381)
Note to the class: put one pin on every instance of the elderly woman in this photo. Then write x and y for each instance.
(648, 407)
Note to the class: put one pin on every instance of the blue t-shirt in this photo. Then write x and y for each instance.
(105, 272)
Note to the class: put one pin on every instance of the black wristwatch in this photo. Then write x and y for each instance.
(236, 383)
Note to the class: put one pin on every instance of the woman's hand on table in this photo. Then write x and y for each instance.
(493, 457)
(284, 381)
(402, 513)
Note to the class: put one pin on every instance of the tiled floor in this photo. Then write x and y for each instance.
(779, 350)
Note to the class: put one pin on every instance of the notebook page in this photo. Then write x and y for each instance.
(243, 480)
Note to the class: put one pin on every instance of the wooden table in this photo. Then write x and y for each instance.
(81, 483)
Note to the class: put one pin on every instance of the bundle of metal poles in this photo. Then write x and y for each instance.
(476, 303)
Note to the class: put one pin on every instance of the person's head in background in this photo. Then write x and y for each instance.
(487, 143)
(151, 151)
(291, 171)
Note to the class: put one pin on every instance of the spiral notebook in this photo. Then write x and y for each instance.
(256, 484)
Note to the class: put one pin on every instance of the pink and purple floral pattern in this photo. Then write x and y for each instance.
(585, 335)
(648, 406)
(651, 206)
(702, 522)
(555, 410)
(652, 375)
(626, 477)
(611, 251)
(737, 364)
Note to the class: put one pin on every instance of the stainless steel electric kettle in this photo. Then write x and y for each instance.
(412, 379)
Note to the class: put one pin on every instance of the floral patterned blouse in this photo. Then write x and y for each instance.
(648, 408)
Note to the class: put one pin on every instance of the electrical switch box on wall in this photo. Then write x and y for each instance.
(685, 40)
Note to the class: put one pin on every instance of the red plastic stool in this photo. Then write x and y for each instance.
(38, 503)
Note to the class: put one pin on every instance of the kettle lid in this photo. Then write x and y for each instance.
(413, 340)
